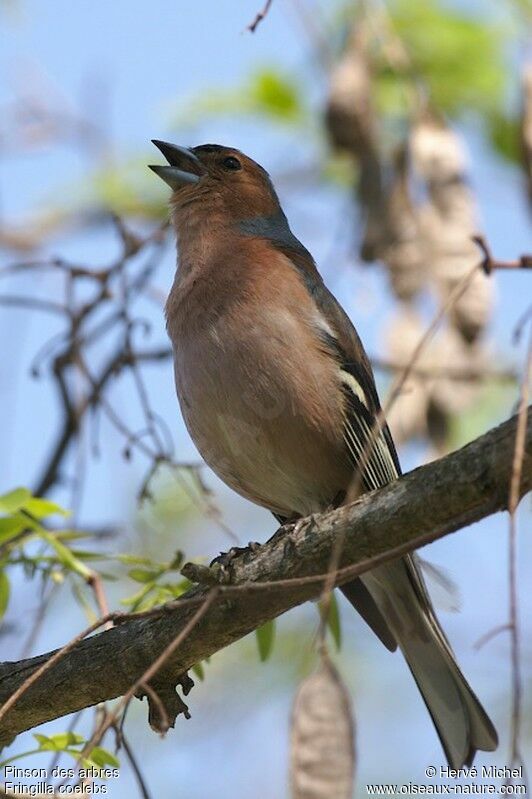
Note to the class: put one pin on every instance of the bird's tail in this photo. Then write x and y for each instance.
(460, 720)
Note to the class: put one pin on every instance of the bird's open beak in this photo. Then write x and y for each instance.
(184, 168)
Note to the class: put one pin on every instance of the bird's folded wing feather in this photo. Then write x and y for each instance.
(368, 443)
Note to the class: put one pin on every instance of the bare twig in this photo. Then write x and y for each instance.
(489, 263)
(484, 639)
(252, 27)
(516, 757)
(141, 782)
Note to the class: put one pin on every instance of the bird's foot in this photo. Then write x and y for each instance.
(223, 565)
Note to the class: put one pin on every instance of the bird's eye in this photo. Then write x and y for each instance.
(231, 163)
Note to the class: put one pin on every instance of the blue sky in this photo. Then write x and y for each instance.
(152, 59)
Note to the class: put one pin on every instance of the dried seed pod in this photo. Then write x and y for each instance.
(349, 117)
(352, 126)
(437, 152)
(471, 312)
(403, 335)
(448, 222)
(403, 252)
(407, 417)
(450, 395)
(322, 756)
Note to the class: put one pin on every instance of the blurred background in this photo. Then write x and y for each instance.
(394, 131)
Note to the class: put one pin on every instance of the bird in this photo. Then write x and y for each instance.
(278, 394)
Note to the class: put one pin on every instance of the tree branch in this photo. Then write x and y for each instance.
(420, 507)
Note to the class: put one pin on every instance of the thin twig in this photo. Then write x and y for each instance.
(513, 501)
(489, 263)
(484, 639)
(141, 782)
(252, 27)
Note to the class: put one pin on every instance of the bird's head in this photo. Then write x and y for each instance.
(216, 182)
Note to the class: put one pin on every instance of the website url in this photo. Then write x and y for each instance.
(468, 789)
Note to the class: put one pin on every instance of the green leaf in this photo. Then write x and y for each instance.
(65, 556)
(504, 134)
(135, 560)
(459, 55)
(144, 575)
(176, 589)
(4, 593)
(41, 739)
(155, 595)
(134, 601)
(102, 757)
(199, 671)
(62, 740)
(88, 554)
(10, 526)
(274, 95)
(127, 189)
(72, 535)
(14, 500)
(265, 638)
(268, 92)
(40, 508)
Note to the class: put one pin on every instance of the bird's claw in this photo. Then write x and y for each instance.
(223, 564)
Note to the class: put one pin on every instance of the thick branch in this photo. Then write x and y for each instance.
(424, 505)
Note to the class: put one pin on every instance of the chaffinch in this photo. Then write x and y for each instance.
(279, 396)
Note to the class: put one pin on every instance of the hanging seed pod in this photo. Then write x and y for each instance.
(448, 223)
(471, 312)
(407, 417)
(437, 153)
(451, 355)
(322, 753)
(526, 127)
(449, 395)
(349, 117)
(352, 127)
(403, 252)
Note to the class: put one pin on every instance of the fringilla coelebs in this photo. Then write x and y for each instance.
(279, 396)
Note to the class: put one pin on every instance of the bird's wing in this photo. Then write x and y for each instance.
(376, 452)
(367, 445)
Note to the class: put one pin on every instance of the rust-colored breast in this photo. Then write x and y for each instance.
(260, 397)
